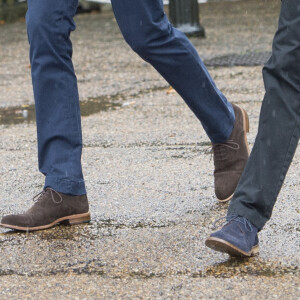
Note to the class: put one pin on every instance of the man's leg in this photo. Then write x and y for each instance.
(147, 30)
(279, 126)
(49, 24)
(278, 132)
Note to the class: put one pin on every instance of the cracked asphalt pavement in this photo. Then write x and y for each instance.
(148, 172)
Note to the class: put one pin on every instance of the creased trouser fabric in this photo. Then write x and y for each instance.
(49, 23)
(279, 127)
(148, 31)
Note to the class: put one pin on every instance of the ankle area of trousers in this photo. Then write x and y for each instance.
(68, 186)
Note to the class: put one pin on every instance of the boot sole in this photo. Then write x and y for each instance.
(246, 126)
(225, 200)
(68, 220)
(226, 247)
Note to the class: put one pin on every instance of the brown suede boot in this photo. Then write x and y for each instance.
(230, 158)
(50, 208)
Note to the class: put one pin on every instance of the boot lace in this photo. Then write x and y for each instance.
(236, 218)
(41, 195)
(219, 149)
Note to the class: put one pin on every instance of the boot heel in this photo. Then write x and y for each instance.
(255, 251)
(78, 219)
(246, 119)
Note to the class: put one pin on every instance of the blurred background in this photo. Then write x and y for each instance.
(12, 10)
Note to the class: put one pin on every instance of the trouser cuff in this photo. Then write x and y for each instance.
(66, 185)
(250, 214)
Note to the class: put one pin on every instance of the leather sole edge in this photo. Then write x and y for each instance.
(71, 220)
(226, 247)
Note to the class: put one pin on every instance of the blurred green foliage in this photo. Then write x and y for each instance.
(12, 10)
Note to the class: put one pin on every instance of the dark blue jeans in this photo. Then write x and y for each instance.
(148, 31)
(279, 124)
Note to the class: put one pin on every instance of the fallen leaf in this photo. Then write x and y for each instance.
(170, 90)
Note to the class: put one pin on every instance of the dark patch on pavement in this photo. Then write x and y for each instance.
(248, 59)
(26, 113)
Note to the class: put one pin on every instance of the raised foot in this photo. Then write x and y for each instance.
(226, 247)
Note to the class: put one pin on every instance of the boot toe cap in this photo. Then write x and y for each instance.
(15, 220)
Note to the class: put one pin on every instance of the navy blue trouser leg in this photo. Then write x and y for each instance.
(49, 23)
(147, 30)
(279, 127)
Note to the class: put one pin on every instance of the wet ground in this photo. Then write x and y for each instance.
(26, 113)
(148, 173)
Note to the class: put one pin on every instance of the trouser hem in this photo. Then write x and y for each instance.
(251, 215)
(66, 185)
(225, 134)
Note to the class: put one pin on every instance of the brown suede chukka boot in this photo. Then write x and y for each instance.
(50, 208)
(230, 158)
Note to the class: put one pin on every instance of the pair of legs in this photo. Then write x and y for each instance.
(278, 133)
(147, 30)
